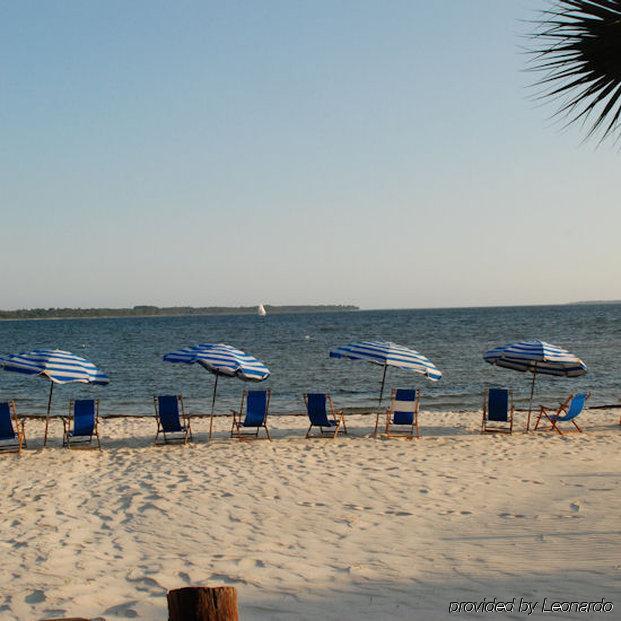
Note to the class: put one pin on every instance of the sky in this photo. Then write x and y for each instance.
(386, 154)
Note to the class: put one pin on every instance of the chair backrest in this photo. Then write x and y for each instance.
(498, 405)
(168, 412)
(6, 421)
(316, 408)
(403, 406)
(84, 413)
(576, 406)
(256, 408)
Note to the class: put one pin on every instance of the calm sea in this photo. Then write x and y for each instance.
(295, 347)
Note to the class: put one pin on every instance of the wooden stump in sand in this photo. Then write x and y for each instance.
(203, 604)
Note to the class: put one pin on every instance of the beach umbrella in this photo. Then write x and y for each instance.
(56, 366)
(222, 361)
(536, 357)
(388, 354)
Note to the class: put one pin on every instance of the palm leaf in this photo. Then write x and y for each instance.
(577, 52)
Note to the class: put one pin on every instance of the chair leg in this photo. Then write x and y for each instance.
(576, 426)
(267, 431)
(538, 420)
(308, 432)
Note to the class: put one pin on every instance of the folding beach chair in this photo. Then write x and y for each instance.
(567, 412)
(12, 431)
(257, 409)
(171, 420)
(321, 413)
(85, 420)
(497, 410)
(402, 414)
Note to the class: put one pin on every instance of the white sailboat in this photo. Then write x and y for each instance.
(261, 311)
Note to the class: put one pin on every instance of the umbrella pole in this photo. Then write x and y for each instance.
(213, 405)
(383, 382)
(530, 403)
(47, 415)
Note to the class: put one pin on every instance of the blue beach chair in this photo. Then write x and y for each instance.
(257, 409)
(402, 415)
(498, 411)
(12, 431)
(172, 421)
(85, 420)
(567, 412)
(321, 413)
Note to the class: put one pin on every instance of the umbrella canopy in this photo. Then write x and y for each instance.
(221, 360)
(56, 366)
(537, 357)
(388, 354)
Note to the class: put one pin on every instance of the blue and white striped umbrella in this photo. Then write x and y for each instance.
(221, 360)
(56, 366)
(537, 357)
(388, 354)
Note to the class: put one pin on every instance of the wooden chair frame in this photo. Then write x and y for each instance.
(414, 430)
(237, 426)
(19, 426)
(544, 411)
(496, 426)
(81, 443)
(337, 416)
(185, 424)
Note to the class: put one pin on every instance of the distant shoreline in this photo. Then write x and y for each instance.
(40, 314)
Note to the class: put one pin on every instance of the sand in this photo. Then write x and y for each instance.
(313, 529)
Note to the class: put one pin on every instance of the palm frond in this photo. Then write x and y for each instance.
(577, 52)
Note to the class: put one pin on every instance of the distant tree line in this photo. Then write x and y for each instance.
(167, 311)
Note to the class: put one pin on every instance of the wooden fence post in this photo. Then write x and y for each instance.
(203, 604)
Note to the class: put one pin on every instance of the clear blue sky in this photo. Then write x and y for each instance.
(291, 152)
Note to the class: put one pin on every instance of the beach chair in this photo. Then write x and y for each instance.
(85, 421)
(497, 411)
(321, 413)
(172, 421)
(12, 431)
(402, 415)
(257, 409)
(567, 412)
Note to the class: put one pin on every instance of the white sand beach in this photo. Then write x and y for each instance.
(355, 528)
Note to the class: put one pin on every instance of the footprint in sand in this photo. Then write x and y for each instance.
(36, 597)
(122, 610)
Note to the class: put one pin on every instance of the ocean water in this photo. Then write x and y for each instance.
(296, 346)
